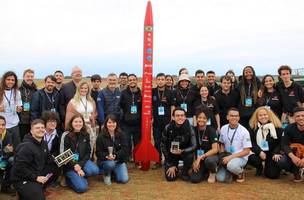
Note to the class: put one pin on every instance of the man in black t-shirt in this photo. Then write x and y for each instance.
(292, 142)
(162, 103)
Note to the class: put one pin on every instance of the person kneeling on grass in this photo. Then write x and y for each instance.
(78, 140)
(112, 151)
(206, 151)
(178, 143)
(235, 143)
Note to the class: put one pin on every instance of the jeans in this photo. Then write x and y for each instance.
(120, 170)
(286, 163)
(157, 134)
(78, 183)
(234, 166)
(132, 134)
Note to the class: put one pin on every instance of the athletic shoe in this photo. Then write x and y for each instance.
(297, 177)
(107, 180)
(211, 178)
(240, 178)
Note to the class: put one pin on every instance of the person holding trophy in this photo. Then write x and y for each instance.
(178, 143)
(112, 151)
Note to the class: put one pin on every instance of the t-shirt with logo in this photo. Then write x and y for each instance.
(205, 138)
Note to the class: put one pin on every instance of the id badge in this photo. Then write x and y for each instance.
(248, 102)
(200, 152)
(267, 107)
(264, 145)
(161, 110)
(184, 106)
(231, 149)
(53, 109)
(86, 116)
(284, 125)
(133, 109)
(26, 106)
(208, 122)
(8, 109)
(75, 157)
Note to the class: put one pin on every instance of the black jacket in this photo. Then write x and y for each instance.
(30, 160)
(126, 101)
(274, 144)
(67, 92)
(27, 92)
(80, 143)
(183, 134)
(40, 103)
(120, 145)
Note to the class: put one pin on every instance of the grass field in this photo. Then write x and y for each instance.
(152, 185)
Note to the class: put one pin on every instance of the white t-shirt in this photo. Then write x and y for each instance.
(82, 107)
(238, 142)
(10, 104)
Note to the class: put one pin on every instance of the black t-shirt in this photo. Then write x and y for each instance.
(291, 134)
(211, 106)
(273, 100)
(291, 96)
(225, 102)
(187, 97)
(205, 138)
(162, 99)
(213, 89)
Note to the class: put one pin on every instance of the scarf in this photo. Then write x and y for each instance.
(265, 130)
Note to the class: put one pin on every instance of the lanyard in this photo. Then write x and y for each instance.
(200, 137)
(51, 100)
(26, 94)
(205, 104)
(160, 97)
(232, 138)
(48, 141)
(184, 97)
(133, 98)
(249, 90)
(269, 97)
(85, 105)
(9, 100)
(77, 143)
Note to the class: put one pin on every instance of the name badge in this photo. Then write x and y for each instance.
(267, 107)
(208, 122)
(161, 110)
(231, 149)
(75, 156)
(133, 109)
(53, 109)
(200, 152)
(26, 106)
(264, 145)
(86, 116)
(248, 102)
(184, 106)
(284, 125)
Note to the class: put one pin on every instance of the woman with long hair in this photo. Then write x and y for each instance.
(82, 103)
(248, 88)
(169, 82)
(112, 151)
(269, 96)
(265, 133)
(11, 104)
(233, 77)
(78, 141)
(210, 104)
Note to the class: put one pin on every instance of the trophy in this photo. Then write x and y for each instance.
(110, 150)
(63, 158)
(174, 146)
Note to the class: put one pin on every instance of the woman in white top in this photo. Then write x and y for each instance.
(10, 104)
(82, 103)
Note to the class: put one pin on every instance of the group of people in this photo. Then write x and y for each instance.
(215, 130)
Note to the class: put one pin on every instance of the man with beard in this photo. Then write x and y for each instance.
(178, 143)
(130, 103)
(162, 104)
(45, 99)
(27, 90)
(59, 79)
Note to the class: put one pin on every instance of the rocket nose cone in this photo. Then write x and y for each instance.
(149, 16)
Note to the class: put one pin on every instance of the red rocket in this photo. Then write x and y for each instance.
(145, 152)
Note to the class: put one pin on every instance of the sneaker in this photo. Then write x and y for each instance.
(297, 177)
(107, 180)
(62, 182)
(240, 178)
(211, 178)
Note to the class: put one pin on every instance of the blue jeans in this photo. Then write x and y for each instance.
(78, 183)
(120, 170)
(234, 166)
(286, 163)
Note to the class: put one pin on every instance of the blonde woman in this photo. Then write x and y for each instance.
(265, 133)
(83, 104)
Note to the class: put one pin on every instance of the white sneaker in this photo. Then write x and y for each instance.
(107, 180)
(211, 178)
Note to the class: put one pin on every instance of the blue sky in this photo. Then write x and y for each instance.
(107, 36)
